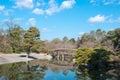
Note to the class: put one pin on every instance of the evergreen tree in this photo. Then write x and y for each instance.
(31, 37)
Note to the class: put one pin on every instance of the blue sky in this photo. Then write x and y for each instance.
(59, 18)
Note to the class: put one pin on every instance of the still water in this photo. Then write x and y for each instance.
(53, 70)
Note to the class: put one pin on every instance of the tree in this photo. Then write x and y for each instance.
(56, 43)
(83, 55)
(114, 36)
(93, 39)
(56, 40)
(87, 40)
(84, 37)
(78, 42)
(16, 37)
(31, 36)
(92, 36)
(99, 58)
(72, 40)
(65, 42)
(38, 47)
(117, 40)
(73, 43)
(65, 39)
(5, 46)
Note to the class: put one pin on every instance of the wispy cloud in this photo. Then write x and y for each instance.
(18, 19)
(105, 2)
(12, 19)
(53, 7)
(2, 8)
(38, 11)
(40, 3)
(81, 33)
(31, 22)
(92, 1)
(118, 19)
(97, 18)
(45, 30)
(23, 4)
(7, 12)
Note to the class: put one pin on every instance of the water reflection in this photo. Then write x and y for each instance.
(105, 74)
(21, 71)
(49, 70)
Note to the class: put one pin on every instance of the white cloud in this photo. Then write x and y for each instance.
(40, 3)
(52, 10)
(52, 6)
(106, 2)
(12, 19)
(18, 19)
(23, 4)
(45, 29)
(2, 8)
(118, 19)
(55, 8)
(32, 22)
(111, 29)
(92, 1)
(38, 11)
(67, 4)
(81, 33)
(8, 12)
(97, 18)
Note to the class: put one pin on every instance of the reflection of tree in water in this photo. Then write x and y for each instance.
(81, 74)
(34, 72)
(22, 71)
(65, 72)
(98, 74)
(10, 71)
(55, 70)
(104, 74)
(101, 68)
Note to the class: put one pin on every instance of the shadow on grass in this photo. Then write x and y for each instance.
(28, 57)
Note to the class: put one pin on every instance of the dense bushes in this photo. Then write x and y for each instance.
(93, 58)
(83, 55)
(99, 58)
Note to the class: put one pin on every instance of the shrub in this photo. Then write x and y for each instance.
(99, 58)
(83, 55)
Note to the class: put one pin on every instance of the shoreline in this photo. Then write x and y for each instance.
(12, 58)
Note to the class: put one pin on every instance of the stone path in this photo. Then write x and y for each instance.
(10, 58)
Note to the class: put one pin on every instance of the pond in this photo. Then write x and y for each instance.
(54, 70)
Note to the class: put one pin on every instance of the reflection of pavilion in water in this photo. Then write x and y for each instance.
(63, 55)
(52, 64)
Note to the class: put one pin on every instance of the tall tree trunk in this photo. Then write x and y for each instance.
(28, 52)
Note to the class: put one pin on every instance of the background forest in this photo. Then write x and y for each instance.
(14, 39)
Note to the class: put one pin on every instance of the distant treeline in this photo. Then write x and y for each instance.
(14, 39)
